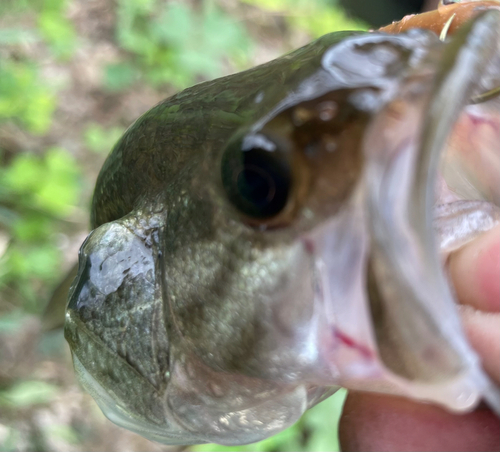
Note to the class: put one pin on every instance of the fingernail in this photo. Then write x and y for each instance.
(475, 271)
(483, 331)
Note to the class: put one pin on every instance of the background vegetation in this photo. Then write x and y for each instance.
(73, 75)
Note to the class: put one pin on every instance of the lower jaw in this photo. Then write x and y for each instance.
(378, 423)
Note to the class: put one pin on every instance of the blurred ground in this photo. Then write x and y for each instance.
(73, 75)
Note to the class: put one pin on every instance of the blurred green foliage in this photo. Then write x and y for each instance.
(36, 193)
(47, 184)
(57, 31)
(100, 139)
(52, 25)
(23, 97)
(172, 43)
(11, 440)
(10, 36)
(316, 17)
(164, 45)
(27, 393)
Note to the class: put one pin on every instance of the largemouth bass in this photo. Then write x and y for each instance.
(265, 238)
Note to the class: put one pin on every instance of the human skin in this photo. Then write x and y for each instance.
(376, 423)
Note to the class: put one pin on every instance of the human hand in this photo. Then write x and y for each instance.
(378, 423)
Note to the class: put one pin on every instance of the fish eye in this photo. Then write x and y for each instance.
(256, 175)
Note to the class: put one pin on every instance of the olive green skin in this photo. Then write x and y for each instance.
(174, 139)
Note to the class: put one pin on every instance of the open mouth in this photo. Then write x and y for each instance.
(431, 185)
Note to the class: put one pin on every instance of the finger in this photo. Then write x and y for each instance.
(375, 423)
(475, 271)
(483, 331)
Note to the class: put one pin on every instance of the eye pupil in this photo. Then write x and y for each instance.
(256, 180)
(256, 185)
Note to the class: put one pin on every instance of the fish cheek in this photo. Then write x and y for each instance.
(205, 295)
(229, 288)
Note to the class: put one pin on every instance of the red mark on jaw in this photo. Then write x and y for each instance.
(308, 245)
(349, 342)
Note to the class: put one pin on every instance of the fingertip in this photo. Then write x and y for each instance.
(483, 331)
(376, 423)
(475, 271)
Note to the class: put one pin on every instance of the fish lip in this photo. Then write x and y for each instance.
(463, 378)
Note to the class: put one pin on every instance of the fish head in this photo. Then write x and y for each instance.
(282, 243)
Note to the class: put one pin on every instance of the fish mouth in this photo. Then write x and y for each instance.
(400, 333)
